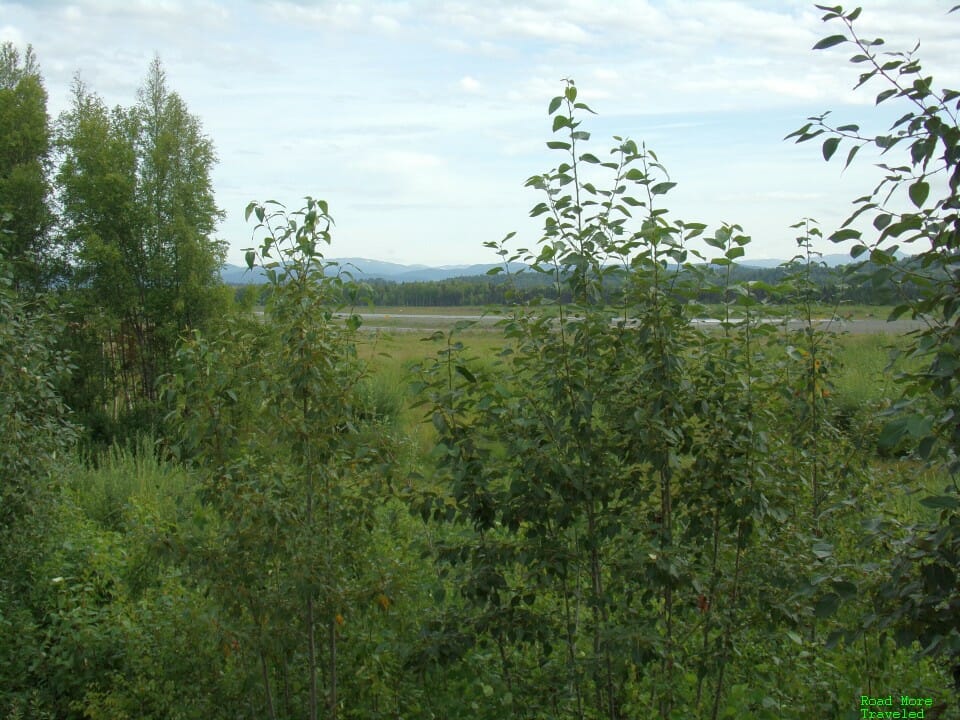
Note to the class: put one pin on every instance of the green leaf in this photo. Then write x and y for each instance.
(830, 147)
(886, 94)
(898, 311)
(554, 105)
(467, 375)
(560, 121)
(919, 192)
(558, 145)
(850, 155)
(827, 605)
(662, 188)
(829, 42)
(718, 242)
(845, 234)
(892, 433)
(844, 588)
(941, 502)
(251, 258)
(822, 550)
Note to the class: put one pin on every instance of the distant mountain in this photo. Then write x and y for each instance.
(832, 260)
(365, 269)
(240, 275)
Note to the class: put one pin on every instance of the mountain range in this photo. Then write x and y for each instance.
(365, 269)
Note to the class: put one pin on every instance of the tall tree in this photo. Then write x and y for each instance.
(138, 204)
(176, 194)
(25, 144)
(97, 184)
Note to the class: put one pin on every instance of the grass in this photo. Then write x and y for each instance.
(862, 375)
(106, 486)
(865, 375)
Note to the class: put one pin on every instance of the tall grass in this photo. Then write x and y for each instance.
(106, 486)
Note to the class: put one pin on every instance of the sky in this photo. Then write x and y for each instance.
(420, 121)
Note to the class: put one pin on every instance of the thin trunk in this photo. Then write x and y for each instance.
(287, 703)
(728, 632)
(333, 669)
(312, 657)
(571, 645)
(705, 606)
(666, 509)
(266, 686)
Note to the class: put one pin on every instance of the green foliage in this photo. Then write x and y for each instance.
(270, 413)
(35, 435)
(923, 583)
(138, 207)
(616, 485)
(34, 424)
(25, 145)
(619, 512)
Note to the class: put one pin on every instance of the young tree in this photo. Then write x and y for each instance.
(179, 212)
(25, 146)
(916, 203)
(268, 413)
(607, 477)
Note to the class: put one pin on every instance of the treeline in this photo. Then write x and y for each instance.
(856, 283)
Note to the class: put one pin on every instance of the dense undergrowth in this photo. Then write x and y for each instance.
(595, 509)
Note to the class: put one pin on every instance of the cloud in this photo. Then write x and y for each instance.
(425, 103)
(385, 17)
(504, 19)
(606, 74)
(468, 84)
(336, 15)
(8, 33)
(385, 23)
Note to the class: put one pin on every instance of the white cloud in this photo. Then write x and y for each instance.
(336, 15)
(606, 74)
(469, 84)
(542, 25)
(385, 23)
(8, 33)
(386, 17)
(437, 105)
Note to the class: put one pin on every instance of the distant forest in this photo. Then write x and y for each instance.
(853, 284)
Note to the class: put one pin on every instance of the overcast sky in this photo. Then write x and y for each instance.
(420, 121)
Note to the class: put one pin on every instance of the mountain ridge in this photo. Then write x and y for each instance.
(369, 269)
